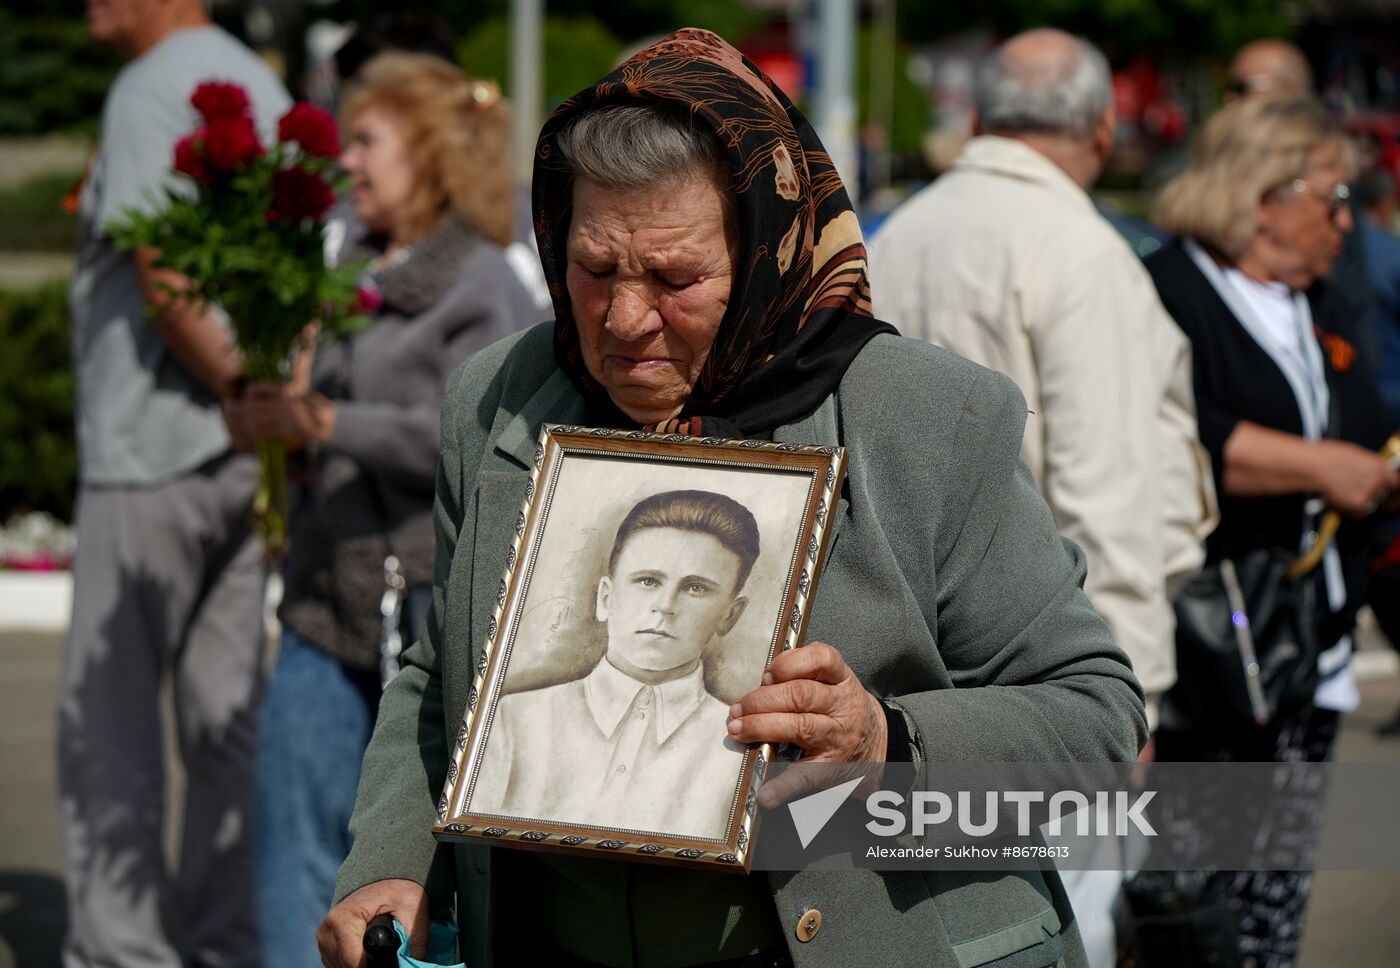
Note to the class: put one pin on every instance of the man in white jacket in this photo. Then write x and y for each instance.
(1005, 260)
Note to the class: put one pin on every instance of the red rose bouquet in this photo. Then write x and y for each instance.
(249, 238)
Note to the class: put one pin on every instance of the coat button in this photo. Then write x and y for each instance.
(808, 925)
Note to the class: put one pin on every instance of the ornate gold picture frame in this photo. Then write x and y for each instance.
(652, 579)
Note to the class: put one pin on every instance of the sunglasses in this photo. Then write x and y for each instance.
(1336, 197)
(1251, 84)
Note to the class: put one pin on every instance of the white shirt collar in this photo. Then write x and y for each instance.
(1304, 371)
(1016, 159)
(1273, 305)
(611, 694)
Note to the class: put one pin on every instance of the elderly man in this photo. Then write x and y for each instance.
(1272, 67)
(168, 577)
(638, 742)
(1005, 260)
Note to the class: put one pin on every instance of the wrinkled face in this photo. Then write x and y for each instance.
(381, 173)
(670, 592)
(116, 23)
(1298, 234)
(649, 275)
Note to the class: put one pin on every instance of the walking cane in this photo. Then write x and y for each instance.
(381, 943)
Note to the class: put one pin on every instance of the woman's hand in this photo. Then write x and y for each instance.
(340, 937)
(275, 411)
(1355, 480)
(812, 699)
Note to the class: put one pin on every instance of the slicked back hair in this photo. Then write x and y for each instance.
(703, 512)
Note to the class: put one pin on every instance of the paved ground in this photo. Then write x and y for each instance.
(29, 270)
(1354, 921)
(20, 160)
(24, 158)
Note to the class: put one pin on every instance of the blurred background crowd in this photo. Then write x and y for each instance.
(910, 68)
(892, 89)
(910, 99)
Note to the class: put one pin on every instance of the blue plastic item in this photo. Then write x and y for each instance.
(442, 947)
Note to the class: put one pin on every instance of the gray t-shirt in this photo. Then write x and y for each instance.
(141, 418)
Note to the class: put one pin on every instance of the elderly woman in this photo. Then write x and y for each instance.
(1288, 411)
(709, 277)
(428, 160)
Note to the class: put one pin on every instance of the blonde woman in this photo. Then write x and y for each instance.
(1288, 411)
(428, 159)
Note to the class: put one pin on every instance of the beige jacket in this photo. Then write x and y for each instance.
(1005, 261)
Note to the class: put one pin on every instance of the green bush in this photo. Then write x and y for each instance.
(32, 218)
(38, 455)
(577, 51)
(52, 76)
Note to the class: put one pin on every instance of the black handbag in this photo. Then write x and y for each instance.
(1247, 642)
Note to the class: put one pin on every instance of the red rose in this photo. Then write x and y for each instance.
(232, 143)
(215, 100)
(298, 194)
(367, 301)
(189, 155)
(312, 128)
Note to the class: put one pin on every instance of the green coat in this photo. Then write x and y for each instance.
(946, 577)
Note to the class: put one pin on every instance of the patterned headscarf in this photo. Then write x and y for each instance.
(799, 310)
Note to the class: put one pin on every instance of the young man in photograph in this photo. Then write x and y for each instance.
(634, 742)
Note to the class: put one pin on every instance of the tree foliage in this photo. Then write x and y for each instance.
(1188, 29)
(51, 75)
(629, 20)
(577, 51)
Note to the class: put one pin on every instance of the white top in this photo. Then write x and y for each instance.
(610, 751)
(1284, 329)
(611, 694)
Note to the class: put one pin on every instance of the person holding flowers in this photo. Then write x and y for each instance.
(168, 575)
(427, 158)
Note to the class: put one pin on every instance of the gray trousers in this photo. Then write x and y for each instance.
(166, 578)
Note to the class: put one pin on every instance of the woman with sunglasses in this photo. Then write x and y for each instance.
(1289, 413)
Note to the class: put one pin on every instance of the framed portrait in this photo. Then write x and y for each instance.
(652, 579)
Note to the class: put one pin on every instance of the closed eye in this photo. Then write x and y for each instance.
(674, 281)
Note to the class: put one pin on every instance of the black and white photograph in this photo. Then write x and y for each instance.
(649, 593)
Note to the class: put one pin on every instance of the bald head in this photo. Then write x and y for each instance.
(1053, 92)
(1044, 55)
(1273, 68)
(1043, 81)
